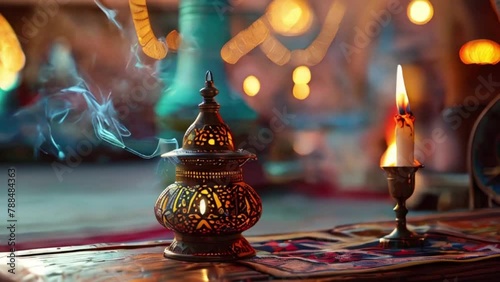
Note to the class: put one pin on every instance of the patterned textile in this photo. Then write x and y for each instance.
(352, 249)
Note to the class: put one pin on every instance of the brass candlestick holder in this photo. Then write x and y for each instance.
(209, 205)
(401, 181)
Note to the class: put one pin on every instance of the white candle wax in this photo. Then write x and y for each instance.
(405, 134)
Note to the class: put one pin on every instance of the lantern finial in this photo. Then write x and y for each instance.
(209, 91)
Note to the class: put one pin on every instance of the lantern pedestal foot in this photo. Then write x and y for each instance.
(209, 248)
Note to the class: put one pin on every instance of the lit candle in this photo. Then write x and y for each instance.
(404, 124)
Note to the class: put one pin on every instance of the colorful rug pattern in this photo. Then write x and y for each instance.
(355, 249)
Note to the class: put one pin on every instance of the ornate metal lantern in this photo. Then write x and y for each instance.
(209, 205)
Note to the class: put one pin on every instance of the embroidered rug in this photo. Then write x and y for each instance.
(352, 249)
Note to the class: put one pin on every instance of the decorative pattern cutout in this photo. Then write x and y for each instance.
(227, 208)
(209, 137)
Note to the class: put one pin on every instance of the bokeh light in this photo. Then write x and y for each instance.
(301, 75)
(481, 52)
(173, 40)
(290, 17)
(304, 142)
(420, 11)
(301, 91)
(8, 79)
(251, 85)
(149, 42)
(12, 57)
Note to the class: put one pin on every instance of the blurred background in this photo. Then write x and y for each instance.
(309, 86)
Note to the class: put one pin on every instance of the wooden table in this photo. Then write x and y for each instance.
(144, 261)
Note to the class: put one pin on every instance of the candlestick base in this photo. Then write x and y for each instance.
(401, 182)
(402, 240)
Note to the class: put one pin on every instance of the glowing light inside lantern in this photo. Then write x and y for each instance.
(301, 75)
(203, 206)
(301, 91)
(251, 85)
(290, 17)
(420, 12)
(481, 52)
(402, 101)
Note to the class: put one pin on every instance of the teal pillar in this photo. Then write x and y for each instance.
(3, 102)
(204, 27)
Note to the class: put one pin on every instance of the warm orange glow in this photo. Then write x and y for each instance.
(420, 11)
(173, 40)
(204, 275)
(8, 79)
(244, 42)
(275, 51)
(11, 55)
(260, 33)
(389, 135)
(402, 100)
(12, 58)
(481, 52)
(251, 85)
(301, 91)
(389, 156)
(289, 17)
(305, 142)
(301, 75)
(150, 44)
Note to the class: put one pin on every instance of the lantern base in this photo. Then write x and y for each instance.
(209, 248)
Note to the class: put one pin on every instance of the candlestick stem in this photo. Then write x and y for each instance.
(401, 212)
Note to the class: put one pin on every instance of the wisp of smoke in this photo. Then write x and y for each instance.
(111, 14)
(60, 109)
(66, 106)
(106, 125)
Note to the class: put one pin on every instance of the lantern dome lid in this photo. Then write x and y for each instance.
(209, 136)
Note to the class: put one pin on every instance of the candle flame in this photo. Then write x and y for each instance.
(402, 100)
